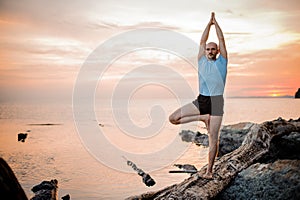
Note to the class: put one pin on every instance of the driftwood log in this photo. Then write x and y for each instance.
(255, 145)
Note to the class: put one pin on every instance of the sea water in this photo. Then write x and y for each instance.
(54, 148)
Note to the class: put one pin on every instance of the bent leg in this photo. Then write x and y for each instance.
(213, 137)
(188, 113)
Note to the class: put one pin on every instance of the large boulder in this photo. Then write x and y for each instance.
(10, 188)
(297, 94)
(278, 180)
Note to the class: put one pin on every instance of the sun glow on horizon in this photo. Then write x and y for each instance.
(275, 95)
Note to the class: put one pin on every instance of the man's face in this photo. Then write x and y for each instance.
(211, 51)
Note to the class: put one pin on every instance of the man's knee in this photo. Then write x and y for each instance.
(173, 119)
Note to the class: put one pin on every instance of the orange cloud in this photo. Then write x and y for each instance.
(44, 46)
(266, 73)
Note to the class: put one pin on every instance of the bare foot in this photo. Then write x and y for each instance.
(206, 121)
(207, 176)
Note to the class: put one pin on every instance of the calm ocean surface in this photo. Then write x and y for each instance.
(58, 152)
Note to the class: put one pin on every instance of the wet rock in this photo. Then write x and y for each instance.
(66, 197)
(297, 94)
(46, 190)
(197, 138)
(146, 178)
(22, 137)
(186, 167)
(101, 125)
(201, 139)
(231, 137)
(187, 135)
(10, 188)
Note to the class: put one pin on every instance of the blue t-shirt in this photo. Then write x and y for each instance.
(212, 76)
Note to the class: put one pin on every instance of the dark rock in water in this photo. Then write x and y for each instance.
(101, 125)
(202, 139)
(45, 185)
(46, 190)
(148, 180)
(297, 94)
(278, 180)
(66, 197)
(22, 137)
(197, 138)
(10, 188)
(231, 137)
(145, 177)
(186, 167)
(187, 135)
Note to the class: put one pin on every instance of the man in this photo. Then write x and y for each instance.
(208, 107)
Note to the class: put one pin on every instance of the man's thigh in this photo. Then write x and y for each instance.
(187, 110)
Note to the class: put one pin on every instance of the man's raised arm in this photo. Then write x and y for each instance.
(204, 37)
(222, 46)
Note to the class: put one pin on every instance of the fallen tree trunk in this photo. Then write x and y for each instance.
(255, 146)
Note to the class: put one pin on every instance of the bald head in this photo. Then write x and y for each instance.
(212, 44)
(211, 51)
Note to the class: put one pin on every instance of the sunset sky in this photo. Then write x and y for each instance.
(43, 44)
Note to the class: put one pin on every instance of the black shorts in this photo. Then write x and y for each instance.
(212, 105)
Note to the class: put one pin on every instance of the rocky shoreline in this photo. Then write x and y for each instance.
(255, 161)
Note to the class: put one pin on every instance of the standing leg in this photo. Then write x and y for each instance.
(213, 137)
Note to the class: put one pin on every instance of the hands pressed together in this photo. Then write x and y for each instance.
(212, 20)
